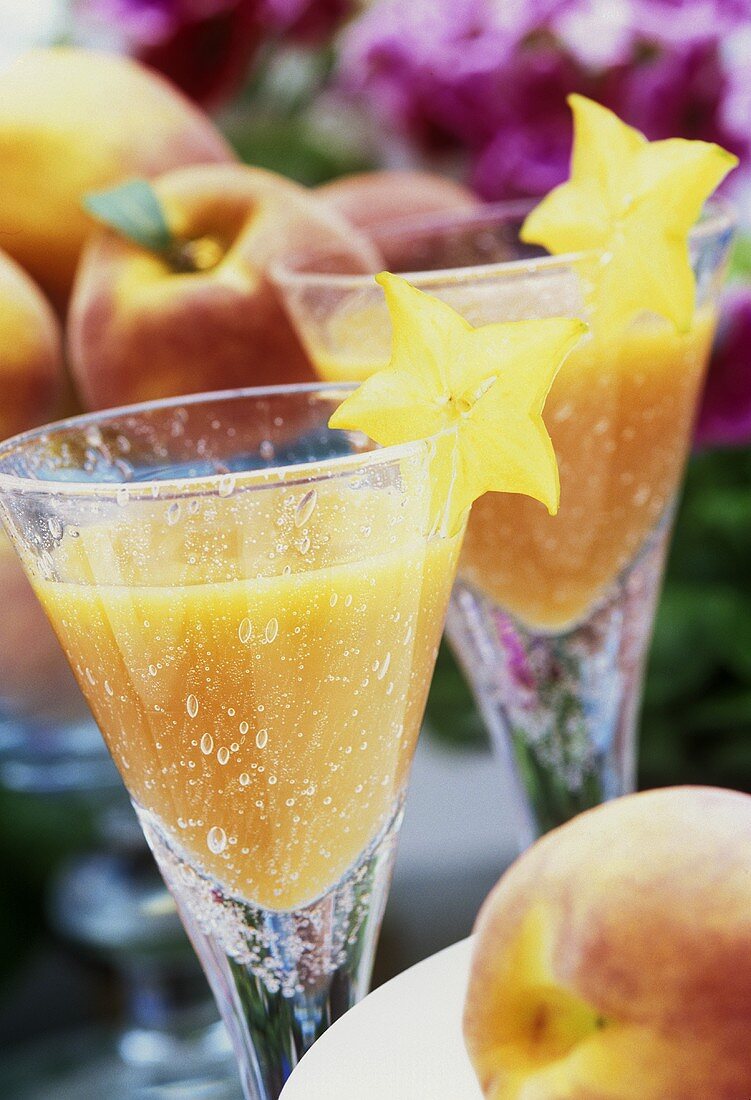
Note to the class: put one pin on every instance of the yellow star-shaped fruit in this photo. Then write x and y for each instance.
(633, 203)
(478, 392)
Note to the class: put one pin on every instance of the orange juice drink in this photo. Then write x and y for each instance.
(263, 704)
(620, 414)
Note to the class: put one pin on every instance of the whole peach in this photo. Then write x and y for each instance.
(74, 121)
(370, 199)
(203, 316)
(613, 959)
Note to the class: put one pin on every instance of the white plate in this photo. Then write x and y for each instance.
(403, 1042)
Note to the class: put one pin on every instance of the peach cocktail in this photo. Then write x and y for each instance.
(251, 603)
(551, 615)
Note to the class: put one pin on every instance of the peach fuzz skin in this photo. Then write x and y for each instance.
(32, 375)
(140, 327)
(372, 199)
(613, 959)
(74, 121)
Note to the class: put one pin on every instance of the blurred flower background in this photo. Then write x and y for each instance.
(476, 88)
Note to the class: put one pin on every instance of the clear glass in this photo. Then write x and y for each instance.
(251, 604)
(551, 616)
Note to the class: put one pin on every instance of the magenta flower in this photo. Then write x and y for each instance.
(204, 47)
(725, 414)
(488, 79)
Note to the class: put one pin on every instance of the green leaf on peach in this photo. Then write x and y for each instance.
(134, 211)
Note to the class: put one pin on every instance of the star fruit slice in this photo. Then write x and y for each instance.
(632, 202)
(477, 392)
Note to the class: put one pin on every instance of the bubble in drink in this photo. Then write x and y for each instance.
(216, 840)
(191, 705)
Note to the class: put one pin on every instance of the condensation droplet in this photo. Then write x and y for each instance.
(272, 780)
(122, 495)
(245, 631)
(207, 744)
(385, 666)
(90, 676)
(243, 728)
(222, 755)
(304, 544)
(244, 779)
(108, 688)
(226, 486)
(173, 513)
(305, 508)
(266, 449)
(262, 738)
(333, 599)
(191, 705)
(216, 840)
(272, 629)
(55, 528)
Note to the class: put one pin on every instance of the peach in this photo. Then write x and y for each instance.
(201, 315)
(370, 199)
(32, 375)
(613, 959)
(74, 121)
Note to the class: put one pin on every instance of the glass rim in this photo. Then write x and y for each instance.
(266, 477)
(717, 216)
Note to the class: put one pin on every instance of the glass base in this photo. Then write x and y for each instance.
(562, 708)
(280, 978)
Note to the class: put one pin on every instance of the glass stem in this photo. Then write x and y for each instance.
(280, 978)
(562, 708)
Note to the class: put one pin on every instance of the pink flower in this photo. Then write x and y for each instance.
(489, 78)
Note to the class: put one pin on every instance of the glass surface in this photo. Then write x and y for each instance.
(251, 604)
(48, 741)
(551, 616)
